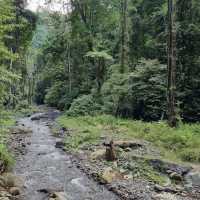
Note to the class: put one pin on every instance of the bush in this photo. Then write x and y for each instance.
(54, 94)
(190, 155)
(84, 105)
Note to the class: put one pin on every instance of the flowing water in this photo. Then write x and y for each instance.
(46, 168)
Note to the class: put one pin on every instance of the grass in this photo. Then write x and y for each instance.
(6, 121)
(180, 144)
(26, 111)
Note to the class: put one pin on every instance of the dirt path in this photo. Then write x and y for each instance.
(45, 168)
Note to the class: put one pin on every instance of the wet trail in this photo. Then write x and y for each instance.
(47, 168)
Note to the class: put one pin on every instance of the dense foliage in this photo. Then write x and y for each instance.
(16, 27)
(82, 58)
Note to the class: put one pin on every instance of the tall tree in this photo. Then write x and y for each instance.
(172, 118)
(124, 36)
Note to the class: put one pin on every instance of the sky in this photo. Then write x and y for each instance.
(56, 5)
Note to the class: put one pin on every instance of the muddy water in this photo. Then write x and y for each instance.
(45, 167)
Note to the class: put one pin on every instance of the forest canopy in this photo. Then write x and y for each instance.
(103, 56)
(111, 57)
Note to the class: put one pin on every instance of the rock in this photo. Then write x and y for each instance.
(109, 175)
(169, 168)
(98, 154)
(4, 198)
(23, 145)
(2, 183)
(60, 145)
(20, 130)
(127, 144)
(4, 195)
(165, 196)
(2, 166)
(14, 191)
(159, 188)
(192, 179)
(39, 116)
(10, 180)
(175, 176)
(128, 149)
(58, 196)
(2, 189)
(128, 177)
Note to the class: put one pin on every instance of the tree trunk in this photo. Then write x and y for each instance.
(124, 36)
(172, 118)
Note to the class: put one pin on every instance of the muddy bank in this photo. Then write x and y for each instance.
(47, 171)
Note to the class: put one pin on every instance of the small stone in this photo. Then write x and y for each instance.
(128, 149)
(60, 145)
(23, 145)
(159, 188)
(14, 191)
(58, 196)
(128, 177)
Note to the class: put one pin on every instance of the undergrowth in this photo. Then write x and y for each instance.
(180, 144)
(6, 121)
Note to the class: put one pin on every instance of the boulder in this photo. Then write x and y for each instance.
(39, 116)
(98, 154)
(109, 175)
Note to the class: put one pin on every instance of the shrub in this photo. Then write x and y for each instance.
(84, 105)
(54, 94)
(190, 155)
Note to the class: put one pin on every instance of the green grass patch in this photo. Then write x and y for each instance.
(181, 144)
(6, 156)
(7, 120)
